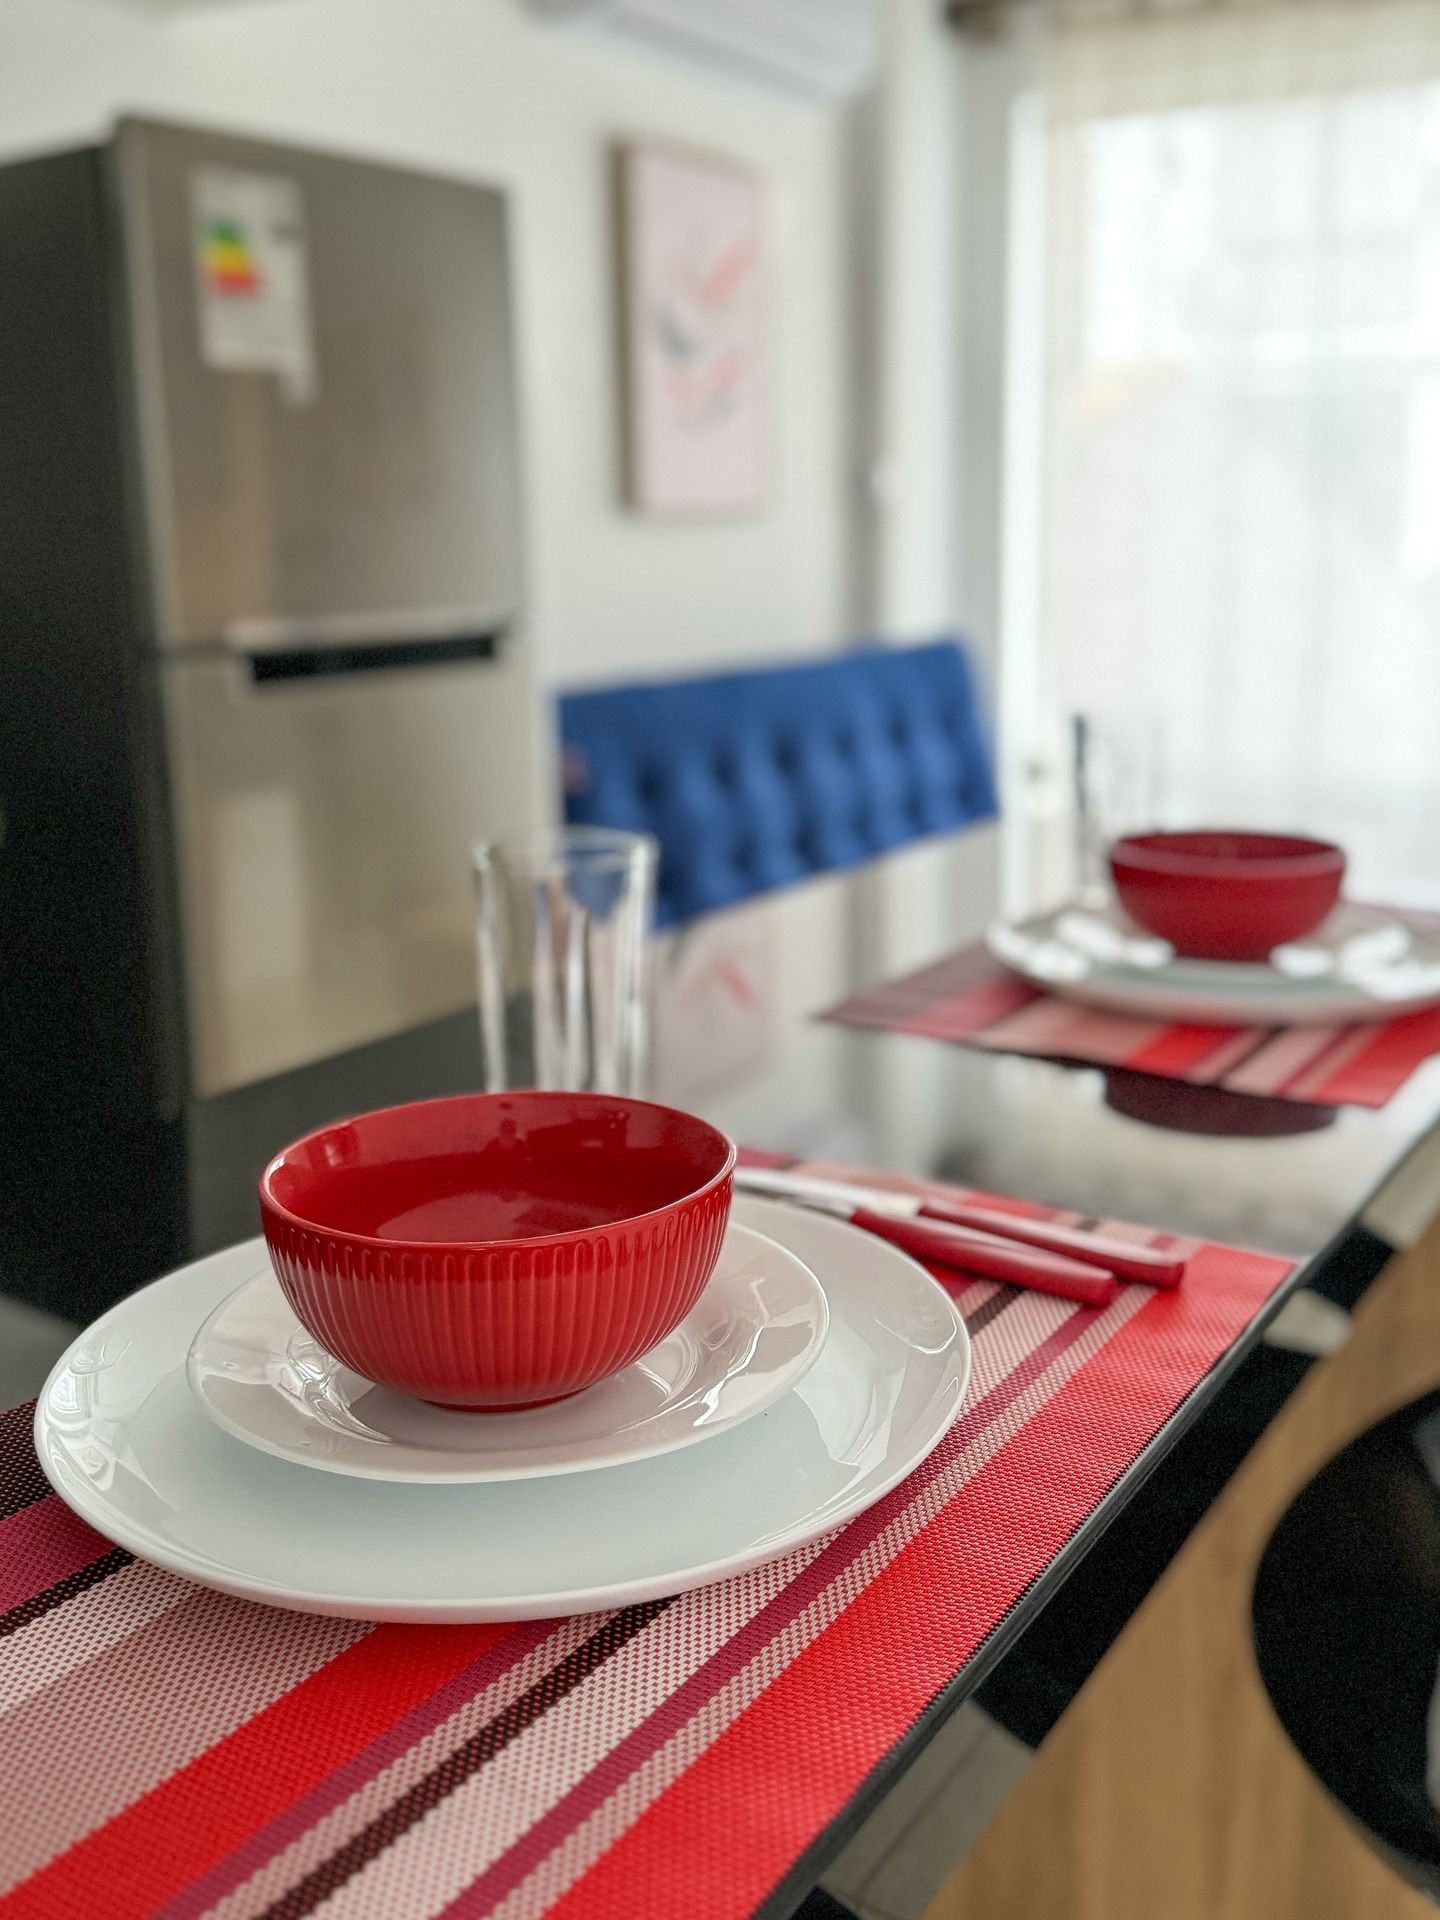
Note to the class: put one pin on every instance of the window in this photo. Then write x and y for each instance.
(1236, 479)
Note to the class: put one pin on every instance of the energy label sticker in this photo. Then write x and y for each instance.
(254, 295)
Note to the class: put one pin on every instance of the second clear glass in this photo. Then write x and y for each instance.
(1119, 783)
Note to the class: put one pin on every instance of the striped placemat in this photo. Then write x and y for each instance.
(171, 1751)
(970, 999)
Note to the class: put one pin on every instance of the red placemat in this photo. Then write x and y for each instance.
(168, 1750)
(970, 999)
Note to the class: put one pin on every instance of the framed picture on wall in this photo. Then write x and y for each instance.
(693, 298)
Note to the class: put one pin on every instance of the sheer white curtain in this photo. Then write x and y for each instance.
(1235, 541)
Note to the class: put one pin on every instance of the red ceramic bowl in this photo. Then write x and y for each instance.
(1226, 896)
(498, 1250)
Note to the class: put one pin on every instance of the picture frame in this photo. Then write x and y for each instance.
(694, 334)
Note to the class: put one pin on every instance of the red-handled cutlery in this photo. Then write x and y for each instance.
(1126, 1262)
(987, 1255)
(1068, 1261)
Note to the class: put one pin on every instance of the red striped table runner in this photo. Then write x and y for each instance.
(170, 1751)
(968, 998)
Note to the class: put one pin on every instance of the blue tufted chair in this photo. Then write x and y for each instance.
(755, 780)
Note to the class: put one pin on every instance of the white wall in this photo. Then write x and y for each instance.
(864, 311)
(480, 88)
(930, 570)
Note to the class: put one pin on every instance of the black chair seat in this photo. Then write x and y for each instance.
(1347, 1634)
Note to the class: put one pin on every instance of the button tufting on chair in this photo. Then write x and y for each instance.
(757, 780)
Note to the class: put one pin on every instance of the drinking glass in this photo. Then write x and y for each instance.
(562, 943)
(1120, 785)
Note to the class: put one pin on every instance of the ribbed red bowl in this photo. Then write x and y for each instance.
(498, 1250)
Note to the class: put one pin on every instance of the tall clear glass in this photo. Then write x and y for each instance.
(563, 948)
(1120, 784)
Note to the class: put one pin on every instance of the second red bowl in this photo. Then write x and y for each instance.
(498, 1250)
(1226, 896)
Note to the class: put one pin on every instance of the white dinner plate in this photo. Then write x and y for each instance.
(123, 1441)
(1362, 964)
(754, 1332)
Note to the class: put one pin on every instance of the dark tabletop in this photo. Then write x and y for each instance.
(1223, 1166)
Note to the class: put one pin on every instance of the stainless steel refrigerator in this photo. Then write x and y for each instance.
(263, 672)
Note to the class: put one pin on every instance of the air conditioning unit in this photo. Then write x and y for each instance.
(824, 49)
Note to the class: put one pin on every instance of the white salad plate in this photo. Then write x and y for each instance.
(1363, 963)
(754, 1332)
(124, 1442)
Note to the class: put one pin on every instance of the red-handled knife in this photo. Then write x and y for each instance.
(1147, 1264)
(898, 1219)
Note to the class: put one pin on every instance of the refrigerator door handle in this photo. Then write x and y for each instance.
(381, 628)
(281, 667)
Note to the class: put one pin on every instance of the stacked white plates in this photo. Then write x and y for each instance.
(198, 1425)
(1363, 964)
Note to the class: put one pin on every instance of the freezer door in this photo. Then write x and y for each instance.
(323, 827)
(324, 388)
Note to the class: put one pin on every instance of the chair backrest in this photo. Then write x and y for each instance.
(755, 780)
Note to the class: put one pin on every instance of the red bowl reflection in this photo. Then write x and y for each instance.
(1179, 1107)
